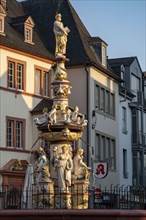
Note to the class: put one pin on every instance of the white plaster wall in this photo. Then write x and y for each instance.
(18, 105)
(30, 62)
(78, 79)
(78, 96)
(125, 143)
(104, 124)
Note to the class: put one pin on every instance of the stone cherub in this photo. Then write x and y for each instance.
(75, 117)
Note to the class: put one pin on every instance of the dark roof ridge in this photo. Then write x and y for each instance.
(20, 19)
(96, 39)
(131, 57)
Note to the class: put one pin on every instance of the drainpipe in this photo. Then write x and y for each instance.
(88, 130)
(89, 162)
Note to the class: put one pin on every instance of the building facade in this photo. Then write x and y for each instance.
(27, 43)
(24, 80)
(131, 121)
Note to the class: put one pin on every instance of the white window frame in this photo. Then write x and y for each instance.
(124, 120)
(103, 55)
(15, 131)
(105, 150)
(42, 82)
(104, 100)
(16, 74)
(2, 24)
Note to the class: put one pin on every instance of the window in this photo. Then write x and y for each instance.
(105, 150)
(16, 74)
(42, 82)
(137, 168)
(28, 30)
(2, 25)
(104, 101)
(124, 120)
(2, 19)
(15, 133)
(122, 74)
(134, 126)
(107, 102)
(46, 84)
(125, 174)
(112, 104)
(104, 55)
(28, 34)
(97, 95)
(4, 3)
(135, 86)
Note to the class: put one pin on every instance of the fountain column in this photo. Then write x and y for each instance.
(61, 127)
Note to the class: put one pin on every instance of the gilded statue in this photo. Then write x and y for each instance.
(61, 34)
(17, 166)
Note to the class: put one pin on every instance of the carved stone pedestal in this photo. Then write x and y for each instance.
(63, 201)
(81, 195)
(43, 195)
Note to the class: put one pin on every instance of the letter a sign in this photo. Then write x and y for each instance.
(100, 170)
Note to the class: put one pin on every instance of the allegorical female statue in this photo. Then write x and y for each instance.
(81, 171)
(61, 34)
(63, 163)
(42, 173)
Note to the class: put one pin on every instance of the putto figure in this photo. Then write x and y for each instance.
(61, 34)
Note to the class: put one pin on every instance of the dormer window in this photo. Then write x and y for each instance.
(1, 25)
(28, 34)
(122, 74)
(28, 30)
(104, 58)
(2, 20)
(4, 3)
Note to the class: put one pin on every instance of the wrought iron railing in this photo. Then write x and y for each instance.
(118, 197)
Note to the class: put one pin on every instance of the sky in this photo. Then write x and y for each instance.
(120, 23)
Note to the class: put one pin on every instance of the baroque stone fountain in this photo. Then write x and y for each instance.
(65, 177)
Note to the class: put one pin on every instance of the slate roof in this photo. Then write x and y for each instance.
(126, 61)
(79, 50)
(15, 39)
(20, 19)
(44, 103)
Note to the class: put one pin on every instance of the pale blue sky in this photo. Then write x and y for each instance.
(120, 23)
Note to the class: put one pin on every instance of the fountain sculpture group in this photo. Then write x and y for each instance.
(65, 176)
